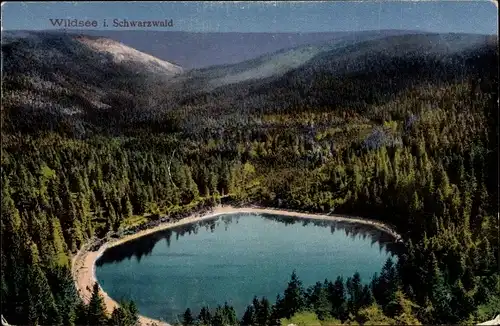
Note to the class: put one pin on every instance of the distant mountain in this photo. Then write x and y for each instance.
(87, 84)
(123, 54)
(273, 64)
(199, 50)
(57, 76)
(332, 77)
(57, 44)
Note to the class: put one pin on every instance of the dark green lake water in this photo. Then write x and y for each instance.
(234, 257)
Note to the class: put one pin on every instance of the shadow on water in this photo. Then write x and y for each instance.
(143, 246)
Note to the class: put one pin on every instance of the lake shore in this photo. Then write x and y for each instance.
(83, 263)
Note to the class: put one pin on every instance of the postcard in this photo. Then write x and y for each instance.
(250, 163)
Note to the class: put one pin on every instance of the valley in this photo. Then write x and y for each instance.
(100, 138)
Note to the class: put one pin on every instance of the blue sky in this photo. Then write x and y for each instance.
(435, 16)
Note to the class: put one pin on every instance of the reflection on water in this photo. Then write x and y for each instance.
(234, 257)
(142, 247)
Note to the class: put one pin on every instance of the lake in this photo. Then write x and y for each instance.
(234, 257)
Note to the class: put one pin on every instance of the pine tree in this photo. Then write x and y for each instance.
(133, 313)
(337, 298)
(367, 298)
(11, 220)
(323, 306)
(249, 318)
(16, 272)
(204, 316)
(440, 294)
(63, 286)
(264, 312)
(293, 300)
(96, 310)
(60, 248)
(118, 318)
(230, 315)
(187, 318)
(276, 312)
(256, 305)
(312, 294)
(124, 315)
(218, 317)
(42, 299)
(128, 209)
(355, 293)
(385, 286)
(463, 303)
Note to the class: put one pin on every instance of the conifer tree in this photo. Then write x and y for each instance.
(337, 298)
(293, 299)
(96, 311)
(118, 318)
(218, 319)
(187, 318)
(264, 312)
(355, 293)
(249, 318)
(204, 316)
(41, 300)
(230, 315)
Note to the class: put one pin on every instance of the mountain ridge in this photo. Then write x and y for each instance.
(90, 91)
(216, 48)
(285, 60)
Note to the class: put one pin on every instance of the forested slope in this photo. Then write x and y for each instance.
(407, 136)
(70, 84)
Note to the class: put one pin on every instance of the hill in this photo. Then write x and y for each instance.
(193, 50)
(54, 80)
(110, 97)
(334, 75)
(278, 62)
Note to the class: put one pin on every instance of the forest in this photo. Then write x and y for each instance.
(419, 152)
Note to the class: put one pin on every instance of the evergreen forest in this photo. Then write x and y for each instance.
(387, 130)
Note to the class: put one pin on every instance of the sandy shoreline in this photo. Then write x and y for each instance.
(83, 263)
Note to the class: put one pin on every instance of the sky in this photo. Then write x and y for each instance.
(273, 16)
